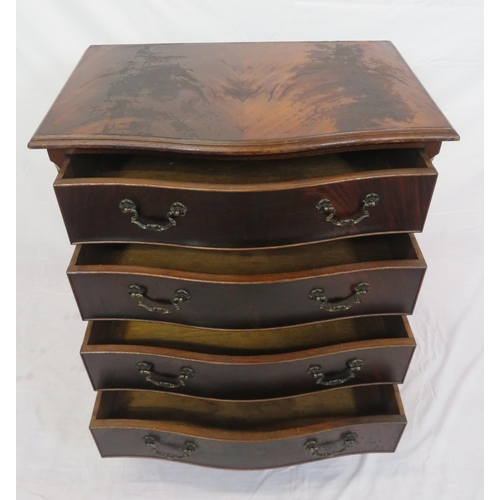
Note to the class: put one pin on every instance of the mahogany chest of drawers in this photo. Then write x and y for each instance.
(243, 216)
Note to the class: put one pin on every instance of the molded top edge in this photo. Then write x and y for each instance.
(241, 99)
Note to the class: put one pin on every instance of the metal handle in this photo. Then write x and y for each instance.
(345, 443)
(325, 206)
(318, 294)
(176, 210)
(152, 442)
(138, 292)
(353, 366)
(147, 369)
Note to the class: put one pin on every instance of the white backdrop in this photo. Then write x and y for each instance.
(440, 454)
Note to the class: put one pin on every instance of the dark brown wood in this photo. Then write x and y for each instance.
(70, 151)
(385, 357)
(248, 434)
(243, 203)
(57, 156)
(235, 289)
(432, 149)
(241, 99)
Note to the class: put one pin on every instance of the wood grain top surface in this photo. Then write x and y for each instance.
(241, 99)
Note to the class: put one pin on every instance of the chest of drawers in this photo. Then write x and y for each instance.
(243, 216)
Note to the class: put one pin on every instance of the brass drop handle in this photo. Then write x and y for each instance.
(352, 366)
(176, 210)
(325, 206)
(138, 292)
(152, 442)
(345, 443)
(147, 369)
(318, 294)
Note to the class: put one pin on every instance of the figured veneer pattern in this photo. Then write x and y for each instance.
(241, 99)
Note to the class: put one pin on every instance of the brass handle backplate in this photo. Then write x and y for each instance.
(353, 366)
(345, 443)
(147, 369)
(325, 206)
(152, 442)
(176, 210)
(318, 294)
(138, 292)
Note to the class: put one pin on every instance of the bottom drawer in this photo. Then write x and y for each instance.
(248, 434)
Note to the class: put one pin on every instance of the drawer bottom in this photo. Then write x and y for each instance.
(248, 434)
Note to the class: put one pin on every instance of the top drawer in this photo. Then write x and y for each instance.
(243, 203)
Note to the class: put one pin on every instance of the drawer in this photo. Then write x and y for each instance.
(247, 364)
(248, 434)
(243, 204)
(248, 288)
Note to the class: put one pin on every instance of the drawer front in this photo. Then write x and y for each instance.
(131, 367)
(226, 219)
(377, 435)
(106, 295)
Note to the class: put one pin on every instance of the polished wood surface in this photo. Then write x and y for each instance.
(111, 351)
(249, 137)
(247, 434)
(243, 204)
(248, 289)
(241, 99)
(102, 294)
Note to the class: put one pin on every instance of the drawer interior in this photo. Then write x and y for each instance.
(391, 247)
(247, 342)
(260, 415)
(181, 170)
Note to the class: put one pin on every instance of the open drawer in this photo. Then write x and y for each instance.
(247, 364)
(243, 203)
(248, 434)
(248, 288)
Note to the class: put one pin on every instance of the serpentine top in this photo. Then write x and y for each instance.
(241, 99)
